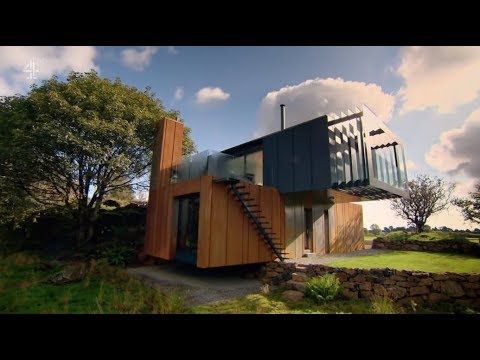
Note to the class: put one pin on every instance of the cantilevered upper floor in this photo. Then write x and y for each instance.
(353, 153)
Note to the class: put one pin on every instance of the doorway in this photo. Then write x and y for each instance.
(187, 230)
(308, 243)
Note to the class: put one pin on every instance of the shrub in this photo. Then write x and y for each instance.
(383, 305)
(117, 253)
(323, 288)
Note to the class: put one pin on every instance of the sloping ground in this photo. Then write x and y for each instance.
(198, 286)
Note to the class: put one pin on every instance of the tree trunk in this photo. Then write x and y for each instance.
(420, 227)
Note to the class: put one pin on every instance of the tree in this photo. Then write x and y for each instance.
(375, 229)
(428, 195)
(73, 143)
(470, 207)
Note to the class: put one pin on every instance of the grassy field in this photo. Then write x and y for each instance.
(414, 260)
(105, 289)
(431, 236)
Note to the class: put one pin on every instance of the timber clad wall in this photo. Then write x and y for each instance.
(167, 152)
(346, 228)
(226, 236)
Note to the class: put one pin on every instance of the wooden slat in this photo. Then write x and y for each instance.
(203, 254)
(167, 152)
(234, 237)
(218, 225)
(187, 187)
(253, 236)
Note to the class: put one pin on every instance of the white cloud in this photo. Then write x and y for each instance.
(442, 77)
(458, 150)
(316, 97)
(172, 50)
(411, 165)
(178, 93)
(48, 60)
(208, 94)
(138, 59)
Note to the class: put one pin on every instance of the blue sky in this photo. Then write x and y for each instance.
(422, 93)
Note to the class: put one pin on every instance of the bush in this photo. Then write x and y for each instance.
(117, 253)
(323, 288)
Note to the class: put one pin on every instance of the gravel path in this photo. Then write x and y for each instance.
(329, 258)
(197, 286)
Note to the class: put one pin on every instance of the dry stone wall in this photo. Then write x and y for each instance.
(452, 246)
(400, 285)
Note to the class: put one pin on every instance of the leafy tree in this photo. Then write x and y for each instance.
(73, 143)
(470, 207)
(375, 229)
(428, 195)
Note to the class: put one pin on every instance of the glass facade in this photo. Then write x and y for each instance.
(247, 167)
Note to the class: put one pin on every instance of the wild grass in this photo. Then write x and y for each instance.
(106, 289)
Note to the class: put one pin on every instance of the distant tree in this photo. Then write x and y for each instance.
(375, 229)
(386, 229)
(428, 195)
(72, 143)
(470, 207)
(365, 231)
(427, 228)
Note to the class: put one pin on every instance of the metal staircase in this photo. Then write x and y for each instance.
(254, 212)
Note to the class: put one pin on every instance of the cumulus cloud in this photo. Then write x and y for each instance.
(316, 97)
(441, 77)
(48, 60)
(458, 149)
(138, 59)
(172, 50)
(178, 93)
(209, 94)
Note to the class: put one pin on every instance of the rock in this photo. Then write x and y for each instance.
(379, 290)
(299, 277)
(298, 286)
(349, 295)
(292, 295)
(405, 284)
(366, 294)
(451, 288)
(469, 285)
(350, 271)
(359, 279)
(436, 297)
(348, 285)
(396, 292)
(474, 278)
(342, 276)
(398, 278)
(418, 290)
(425, 282)
(365, 286)
(439, 277)
(471, 293)
(71, 273)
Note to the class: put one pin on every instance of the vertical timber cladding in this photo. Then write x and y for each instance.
(167, 152)
(226, 236)
(346, 227)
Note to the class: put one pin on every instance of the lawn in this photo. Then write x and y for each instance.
(414, 260)
(24, 288)
(431, 236)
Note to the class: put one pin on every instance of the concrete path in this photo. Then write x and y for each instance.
(198, 286)
(329, 258)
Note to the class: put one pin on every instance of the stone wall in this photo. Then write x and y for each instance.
(400, 285)
(464, 247)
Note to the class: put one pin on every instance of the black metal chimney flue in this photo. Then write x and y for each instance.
(282, 117)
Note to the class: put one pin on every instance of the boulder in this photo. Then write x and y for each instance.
(295, 285)
(69, 274)
(299, 277)
(425, 282)
(469, 285)
(365, 286)
(379, 290)
(437, 297)
(349, 295)
(396, 292)
(418, 290)
(292, 295)
(451, 288)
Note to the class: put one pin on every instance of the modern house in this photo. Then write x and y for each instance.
(284, 195)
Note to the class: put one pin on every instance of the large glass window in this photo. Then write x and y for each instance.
(254, 167)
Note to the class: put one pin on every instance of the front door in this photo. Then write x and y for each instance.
(187, 231)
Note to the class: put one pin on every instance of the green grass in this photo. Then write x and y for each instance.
(414, 260)
(273, 303)
(431, 236)
(106, 289)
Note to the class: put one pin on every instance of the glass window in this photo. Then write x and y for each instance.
(254, 167)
